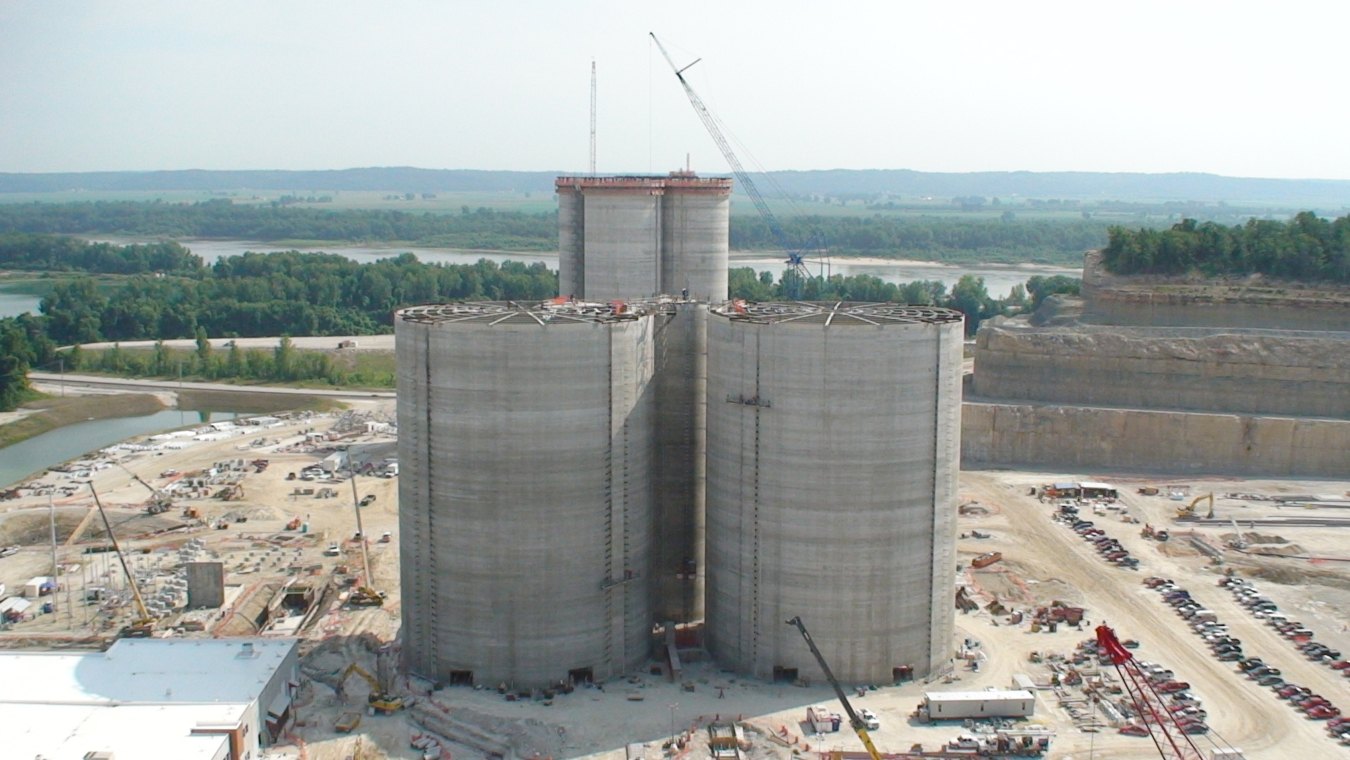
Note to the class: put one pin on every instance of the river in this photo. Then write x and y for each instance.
(998, 279)
(14, 304)
(40, 452)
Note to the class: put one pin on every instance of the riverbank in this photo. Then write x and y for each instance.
(50, 413)
(47, 414)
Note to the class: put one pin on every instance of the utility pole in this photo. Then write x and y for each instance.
(673, 705)
(592, 117)
(56, 569)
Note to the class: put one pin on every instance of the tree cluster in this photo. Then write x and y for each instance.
(1305, 248)
(58, 253)
(220, 218)
(287, 293)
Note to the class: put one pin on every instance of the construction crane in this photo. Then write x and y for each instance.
(161, 501)
(364, 595)
(145, 624)
(859, 727)
(797, 275)
(1167, 734)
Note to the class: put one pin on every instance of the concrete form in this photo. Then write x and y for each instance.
(525, 496)
(159, 699)
(833, 447)
(205, 584)
(640, 236)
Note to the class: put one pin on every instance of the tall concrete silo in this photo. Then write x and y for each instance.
(695, 232)
(525, 494)
(639, 236)
(833, 451)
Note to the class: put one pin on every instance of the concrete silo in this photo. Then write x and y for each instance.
(695, 224)
(641, 236)
(525, 495)
(833, 447)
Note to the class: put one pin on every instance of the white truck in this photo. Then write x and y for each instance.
(959, 705)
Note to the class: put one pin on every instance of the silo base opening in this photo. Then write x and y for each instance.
(902, 673)
(461, 678)
(784, 675)
(581, 675)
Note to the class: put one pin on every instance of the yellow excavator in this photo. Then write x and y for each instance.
(380, 701)
(1189, 509)
(854, 720)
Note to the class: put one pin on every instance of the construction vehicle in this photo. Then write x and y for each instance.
(347, 722)
(854, 719)
(1162, 725)
(1188, 511)
(159, 501)
(380, 701)
(144, 625)
(797, 275)
(364, 595)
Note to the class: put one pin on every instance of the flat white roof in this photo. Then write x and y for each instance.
(972, 696)
(1097, 486)
(144, 671)
(144, 732)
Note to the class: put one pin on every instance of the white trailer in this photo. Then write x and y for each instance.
(959, 705)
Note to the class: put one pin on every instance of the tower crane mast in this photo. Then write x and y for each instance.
(795, 261)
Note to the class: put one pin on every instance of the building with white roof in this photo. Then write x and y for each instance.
(150, 699)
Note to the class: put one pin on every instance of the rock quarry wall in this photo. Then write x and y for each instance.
(1158, 441)
(1295, 373)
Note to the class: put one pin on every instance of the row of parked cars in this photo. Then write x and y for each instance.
(1108, 547)
(1176, 696)
(1314, 705)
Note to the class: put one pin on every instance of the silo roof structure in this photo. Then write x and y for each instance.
(525, 495)
(833, 446)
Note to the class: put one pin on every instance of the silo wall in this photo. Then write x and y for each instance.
(622, 243)
(833, 452)
(525, 499)
(678, 475)
(694, 246)
(571, 241)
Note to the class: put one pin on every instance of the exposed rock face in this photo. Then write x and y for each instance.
(1298, 373)
(1167, 374)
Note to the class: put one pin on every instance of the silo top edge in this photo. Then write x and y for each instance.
(680, 181)
(555, 311)
(841, 313)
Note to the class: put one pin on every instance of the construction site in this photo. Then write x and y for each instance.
(641, 520)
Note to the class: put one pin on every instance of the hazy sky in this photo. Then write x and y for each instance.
(1236, 88)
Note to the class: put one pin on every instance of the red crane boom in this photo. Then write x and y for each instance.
(1167, 734)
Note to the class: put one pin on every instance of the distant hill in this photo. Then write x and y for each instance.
(844, 183)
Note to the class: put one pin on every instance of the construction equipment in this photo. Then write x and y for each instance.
(159, 503)
(1238, 541)
(145, 624)
(380, 701)
(854, 720)
(347, 722)
(1164, 729)
(1189, 509)
(797, 275)
(364, 595)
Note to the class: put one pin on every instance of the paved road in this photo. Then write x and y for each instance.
(120, 384)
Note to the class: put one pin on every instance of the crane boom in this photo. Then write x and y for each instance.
(131, 579)
(859, 727)
(794, 253)
(1163, 728)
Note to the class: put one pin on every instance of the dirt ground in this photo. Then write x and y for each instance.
(1043, 561)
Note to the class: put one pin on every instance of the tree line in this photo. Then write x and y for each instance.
(1306, 248)
(928, 237)
(295, 294)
